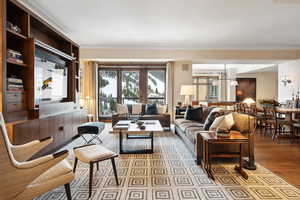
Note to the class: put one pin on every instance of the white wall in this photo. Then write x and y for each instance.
(266, 84)
(181, 77)
(292, 71)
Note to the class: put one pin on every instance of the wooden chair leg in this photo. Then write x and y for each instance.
(91, 179)
(75, 165)
(115, 170)
(68, 191)
(97, 166)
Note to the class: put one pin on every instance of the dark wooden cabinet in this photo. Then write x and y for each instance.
(62, 127)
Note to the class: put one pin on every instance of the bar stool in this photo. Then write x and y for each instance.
(92, 128)
(93, 154)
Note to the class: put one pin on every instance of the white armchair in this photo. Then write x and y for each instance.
(22, 179)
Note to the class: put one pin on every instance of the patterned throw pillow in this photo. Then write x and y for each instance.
(122, 109)
(211, 117)
(136, 109)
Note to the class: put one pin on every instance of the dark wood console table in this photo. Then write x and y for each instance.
(211, 138)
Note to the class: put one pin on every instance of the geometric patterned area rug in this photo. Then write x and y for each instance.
(169, 173)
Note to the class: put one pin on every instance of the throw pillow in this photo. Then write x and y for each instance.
(162, 109)
(151, 109)
(136, 109)
(216, 112)
(206, 112)
(194, 113)
(224, 122)
(122, 109)
(243, 122)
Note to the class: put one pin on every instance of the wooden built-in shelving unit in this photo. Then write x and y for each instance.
(35, 32)
(28, 119)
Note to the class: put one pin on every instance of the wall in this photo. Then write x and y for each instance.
(266, 84)
(290, 70)
(181, 77)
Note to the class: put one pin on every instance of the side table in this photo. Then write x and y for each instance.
(210, 138)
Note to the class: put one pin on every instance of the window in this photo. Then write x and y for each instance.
(206, 88)
(107, 91)
(130, 87)
(156, 86)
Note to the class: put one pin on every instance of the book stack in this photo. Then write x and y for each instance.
(14, 56)
(223, 133)
(15, 84)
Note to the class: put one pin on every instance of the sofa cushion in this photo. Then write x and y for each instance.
(162, 109)
(182, 121)
(205, 112)
(243, 122)
(122, 109)
(191, 133)
(151, 109)
(136, 109)
(223, 122)
(211, 118)
(184, 126)
(194, 114)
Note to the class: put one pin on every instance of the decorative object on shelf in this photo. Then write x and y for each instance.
(15, 84)
(269, 102)
(249, 164)
(14, 56)
(286, 80)
(187, 91)
(13, 27)
(223, 132)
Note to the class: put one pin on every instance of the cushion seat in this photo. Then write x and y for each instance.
(182, 121)
(60, 169)
(91, 128)
(92, 153)
(188, 125)
(191, 133)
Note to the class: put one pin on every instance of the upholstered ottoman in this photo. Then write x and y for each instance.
(93, 154)
(92, 128)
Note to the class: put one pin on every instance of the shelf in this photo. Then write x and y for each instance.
(16, 63)
(16, 91)
(19, 35)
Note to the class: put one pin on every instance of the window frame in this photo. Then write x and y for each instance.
(143, 81)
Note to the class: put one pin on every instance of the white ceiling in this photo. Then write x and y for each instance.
(236, 68)
(176, 24)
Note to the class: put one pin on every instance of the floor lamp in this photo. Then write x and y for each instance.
(250, 163)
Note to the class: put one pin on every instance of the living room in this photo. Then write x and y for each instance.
(149, 100)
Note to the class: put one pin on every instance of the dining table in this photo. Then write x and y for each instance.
(288, 112)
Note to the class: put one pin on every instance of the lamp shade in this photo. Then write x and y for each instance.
(248, 101)
(187, 90)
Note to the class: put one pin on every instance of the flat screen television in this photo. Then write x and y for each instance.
(51, 77)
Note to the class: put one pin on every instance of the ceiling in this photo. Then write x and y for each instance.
(181, 24)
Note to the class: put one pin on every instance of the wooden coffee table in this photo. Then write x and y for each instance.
(128, 128)
(210, 138)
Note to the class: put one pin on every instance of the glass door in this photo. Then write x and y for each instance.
(130, 87)
(107, 92)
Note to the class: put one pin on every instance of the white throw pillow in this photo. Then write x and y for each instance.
(136, 109)
(162, 109)
(223, 122)
(122, 109)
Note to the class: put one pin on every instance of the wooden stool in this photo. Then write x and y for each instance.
(92, 154)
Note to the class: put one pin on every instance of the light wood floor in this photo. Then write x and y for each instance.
(282, 159)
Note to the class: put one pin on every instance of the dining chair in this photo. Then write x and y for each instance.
(23, 179)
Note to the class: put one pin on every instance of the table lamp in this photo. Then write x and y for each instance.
(250, 164)
(187, 90)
